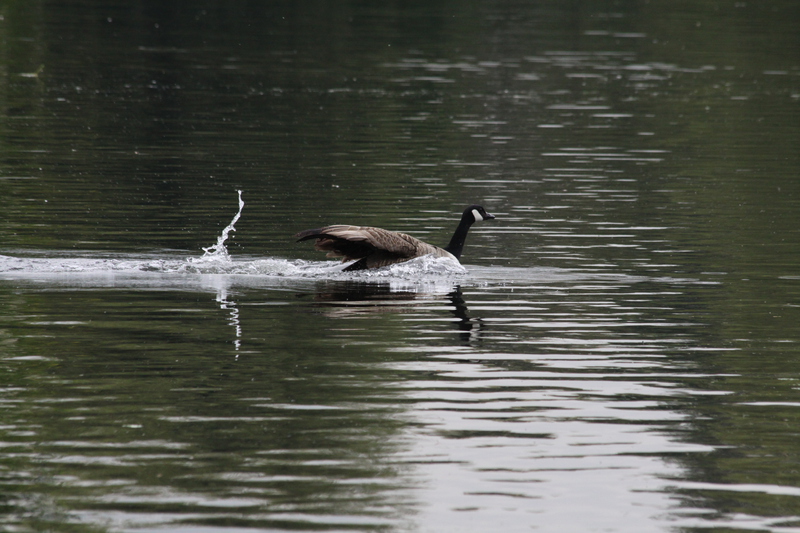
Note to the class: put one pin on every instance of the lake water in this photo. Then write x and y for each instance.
(619, 351)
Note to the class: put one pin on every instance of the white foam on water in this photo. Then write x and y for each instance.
(16, 266)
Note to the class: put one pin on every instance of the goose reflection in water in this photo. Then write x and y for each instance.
(349, 298)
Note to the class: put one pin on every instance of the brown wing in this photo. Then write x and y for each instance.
(380, 246)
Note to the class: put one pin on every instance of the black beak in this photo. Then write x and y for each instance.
(489, 216)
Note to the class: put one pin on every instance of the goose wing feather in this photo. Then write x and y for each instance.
(356, 242)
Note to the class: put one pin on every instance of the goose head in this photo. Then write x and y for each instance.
(472, 214)
(476, 213)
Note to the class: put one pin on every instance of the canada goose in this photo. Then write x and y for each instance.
(375, 247)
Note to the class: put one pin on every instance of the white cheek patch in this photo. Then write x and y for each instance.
(477, 216)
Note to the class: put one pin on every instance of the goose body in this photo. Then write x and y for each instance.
(373, 247)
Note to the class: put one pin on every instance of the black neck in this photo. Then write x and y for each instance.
(456, 245)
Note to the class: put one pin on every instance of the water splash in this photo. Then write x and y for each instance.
(420, 274)
(218, 251)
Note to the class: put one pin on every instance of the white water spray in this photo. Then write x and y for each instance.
(423, 274)
(219, 251)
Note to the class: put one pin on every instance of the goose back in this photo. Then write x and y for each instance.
(370, 247)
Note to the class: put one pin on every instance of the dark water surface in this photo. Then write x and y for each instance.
(620, 353)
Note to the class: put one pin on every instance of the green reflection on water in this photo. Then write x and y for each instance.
(653, 139)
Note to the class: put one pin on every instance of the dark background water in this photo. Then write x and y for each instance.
(622, 354)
